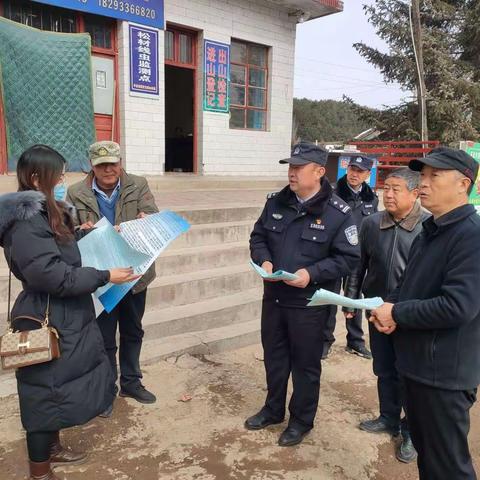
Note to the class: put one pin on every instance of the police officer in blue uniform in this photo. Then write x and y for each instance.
(353, 189)
(307, 230)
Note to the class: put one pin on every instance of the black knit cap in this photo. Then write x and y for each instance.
(306, 152)
(446, 158)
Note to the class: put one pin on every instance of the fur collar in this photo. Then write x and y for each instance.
(19, 206)
(346, 194)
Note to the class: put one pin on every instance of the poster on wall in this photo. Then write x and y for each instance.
(473, 149)
(216, 96)
(343, 162)
(144, 12)
(143, 61)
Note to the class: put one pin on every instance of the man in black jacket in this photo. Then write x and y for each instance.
(307, 230)
(353, 189)
(385, 241)
(435, 318)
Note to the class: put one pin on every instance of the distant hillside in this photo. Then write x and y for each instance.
(326, 120)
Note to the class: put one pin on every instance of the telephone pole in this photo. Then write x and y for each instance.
(417, 40)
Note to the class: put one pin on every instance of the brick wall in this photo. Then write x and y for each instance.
(221, 150)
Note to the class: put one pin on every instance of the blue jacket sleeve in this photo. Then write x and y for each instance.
(259, 251)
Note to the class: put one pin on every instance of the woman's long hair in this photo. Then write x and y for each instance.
(45, 165)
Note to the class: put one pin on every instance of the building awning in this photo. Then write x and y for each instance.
(310, 9)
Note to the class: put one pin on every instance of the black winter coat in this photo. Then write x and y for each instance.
(437, 305)
(79, 385)
(384, 246)
(319, 235)
(363, 205)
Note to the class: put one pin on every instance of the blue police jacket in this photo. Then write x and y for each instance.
(319, 235)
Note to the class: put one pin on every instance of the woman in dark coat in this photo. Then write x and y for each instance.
(39, 243)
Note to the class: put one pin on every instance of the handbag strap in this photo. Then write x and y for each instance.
(44, 323)
(9, 312)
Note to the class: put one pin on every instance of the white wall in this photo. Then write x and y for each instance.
(142, 121)
(221, 150)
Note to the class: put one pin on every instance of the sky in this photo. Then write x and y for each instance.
(327, 66)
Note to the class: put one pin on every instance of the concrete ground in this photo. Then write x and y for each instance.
(204, 438)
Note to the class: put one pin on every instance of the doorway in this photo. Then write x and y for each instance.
(180, 100)
(179, 121)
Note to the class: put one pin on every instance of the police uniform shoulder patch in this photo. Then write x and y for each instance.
(271, 195)
(339, 205)
(352, 235)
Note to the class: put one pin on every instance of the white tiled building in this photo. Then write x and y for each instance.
(172, 131)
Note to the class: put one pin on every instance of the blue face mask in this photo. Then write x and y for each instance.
(60, 192)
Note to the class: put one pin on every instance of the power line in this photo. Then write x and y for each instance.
(348, 67)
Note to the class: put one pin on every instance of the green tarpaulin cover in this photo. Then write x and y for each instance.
(45, 81)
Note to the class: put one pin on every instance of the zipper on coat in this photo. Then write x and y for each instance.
(395, 233)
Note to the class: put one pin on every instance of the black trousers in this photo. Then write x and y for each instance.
(439, 423)
(39, 445)
(354, 325)
(128, 316)
(389, 386)
(292, 340)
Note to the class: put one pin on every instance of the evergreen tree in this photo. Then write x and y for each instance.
(326, 121)
(451, 31)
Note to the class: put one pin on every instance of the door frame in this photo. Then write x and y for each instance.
(177, 29)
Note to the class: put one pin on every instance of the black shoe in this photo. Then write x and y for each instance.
(326, 351)
(139, 393)
(379, 425)
(107, 413)
(359, 350)
(406, 452)
(292, 436)
(260, 420)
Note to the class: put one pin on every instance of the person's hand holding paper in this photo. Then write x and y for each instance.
(268, 267)
(302, 281)
(269, 276)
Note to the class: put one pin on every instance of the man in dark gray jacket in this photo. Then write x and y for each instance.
(434, 316)
(385, 240)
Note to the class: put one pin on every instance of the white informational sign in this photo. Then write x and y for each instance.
(137, 245)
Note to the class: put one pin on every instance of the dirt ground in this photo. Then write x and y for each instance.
(204, 438)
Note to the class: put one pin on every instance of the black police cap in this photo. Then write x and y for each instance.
(362, 162)
(446, 158)
(305, 152)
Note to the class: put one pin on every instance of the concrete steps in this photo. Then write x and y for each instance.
(184, 289)
(190, 259)
(220, 311)
(202, 342)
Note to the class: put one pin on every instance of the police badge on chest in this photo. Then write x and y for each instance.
(352, 235)
(317, 225)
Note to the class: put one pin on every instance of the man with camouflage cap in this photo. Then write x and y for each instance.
(108, 191)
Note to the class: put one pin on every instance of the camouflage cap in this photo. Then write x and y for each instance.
(104, 152)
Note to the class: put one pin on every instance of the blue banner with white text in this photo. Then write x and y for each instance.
(144, 12)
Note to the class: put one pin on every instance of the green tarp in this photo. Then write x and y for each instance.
(45, 81)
